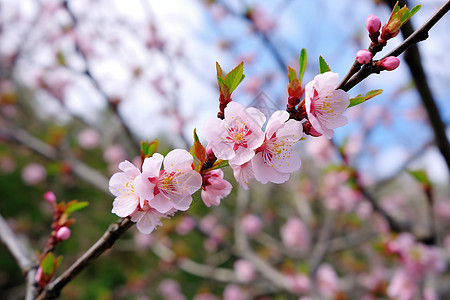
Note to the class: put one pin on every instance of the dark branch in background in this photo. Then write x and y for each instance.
(113, 105)
(114, 232)
(412, 58)
(414, 61)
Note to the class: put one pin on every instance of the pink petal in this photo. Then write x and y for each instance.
(129, 168)
(143, 187)
(161, 203)
(265, 173)
(125, 205)
(182, 204)
(119, 183)
(146, 221)
(152, 165)
(242, 156)
(178, 160)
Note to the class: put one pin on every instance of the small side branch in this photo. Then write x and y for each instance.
(114, 232)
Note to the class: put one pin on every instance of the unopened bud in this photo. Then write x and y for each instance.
(390, 63)
(373, 23)
(364, 56)
(50, 197)
(63, 233)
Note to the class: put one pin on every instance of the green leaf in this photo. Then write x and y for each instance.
(234, 77)
(323, 66)
(195, 135)
(396, 8)
(76, 206)
(149, 148)
(219, 164)
(219, 70)
(415, 9)
(360, 99)
(302, 65)
(48, 263)
(421, 177)
(292, 74)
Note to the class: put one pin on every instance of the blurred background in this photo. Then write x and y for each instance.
(82, 82)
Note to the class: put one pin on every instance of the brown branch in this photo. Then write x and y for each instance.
(419, 35)
(114, 232)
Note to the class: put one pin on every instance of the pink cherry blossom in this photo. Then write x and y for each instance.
(89, 138)
(237, 136)
(243, 173)
(171, 187)
(214, 187)
(299, 283)
(294, 234)
(121, 185)
(275, 159)
(327, 280)
(147, 218)
(33, 173)
(402, 286)
(245, 271)
(324, 104)
(233, 292)
(50, 197)
(185, 225)
(252, 225)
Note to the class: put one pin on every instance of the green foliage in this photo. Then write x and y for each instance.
(75, 205)
(234, 77)
(149, 148)
(361, 99)
(323, 66)
(302, 64)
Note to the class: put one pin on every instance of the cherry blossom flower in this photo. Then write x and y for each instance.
(147, 218)
(327, 280)
(275, 159)
(324, 104)
(88, 138)
(121, 185)
(245, 271)
(299, 283)
(402, 286)
(243, 173)
(171, 187)
(252, 225)
(294, 234)
(33, 173)
(214, 187)
(237, 136)
(233, 292)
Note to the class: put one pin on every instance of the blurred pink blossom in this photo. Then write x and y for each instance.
(114, 154)
(261, 22)
(143, 241)
(185, 225)
(233, 292)
(252, 225)
(170, 290)
(7, 165)
(88, 138)
(205, 296)
(402, 286)
(207, 223)
(295, 235)
(299, 283)
(327, 280)
(321, 149)
(245, 271)
(34, 173)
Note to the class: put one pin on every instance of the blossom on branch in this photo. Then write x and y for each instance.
(324, 104)
(275, 159)
(214, 187)
(237, 136)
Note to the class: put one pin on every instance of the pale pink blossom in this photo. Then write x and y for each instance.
(327, 280)
(63, 233)
(324, 104)
(252, 225)
(243, 173)
(33, 173)
(275, 159)
(205, 296)
(88, 138)
(214, 187)
(233, 292)
(295, 235)
(114, 154)
(121, 185)
(185, 225)
(171, 290)
(402, 286)
(298, 283)
(207, 223)
(261, 21)
(171, 187)
(143, 241)
(321, 149)
(237, 136)
(147, 218)
(245, 271)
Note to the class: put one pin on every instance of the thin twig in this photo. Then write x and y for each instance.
(114, 232)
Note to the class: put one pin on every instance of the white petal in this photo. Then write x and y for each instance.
(125, 205)
(129, 168)
(152, 165)
(178, 160)
(161, 203)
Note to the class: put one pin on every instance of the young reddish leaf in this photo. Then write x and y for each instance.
(48, 264)
(292, 74)
(76, 206)
(195, 135)
(198, 149)
(234, 77)
(302, 65)
(219, 70)
(323, 66)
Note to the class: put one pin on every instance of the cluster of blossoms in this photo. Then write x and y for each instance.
(266, 156)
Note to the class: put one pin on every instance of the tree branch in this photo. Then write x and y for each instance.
(115, 230)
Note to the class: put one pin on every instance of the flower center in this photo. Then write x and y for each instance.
(237, 135)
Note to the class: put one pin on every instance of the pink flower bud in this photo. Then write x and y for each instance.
(63, 233)
(50, 197)
(364, 56)
(390, 63)
(373, 23)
